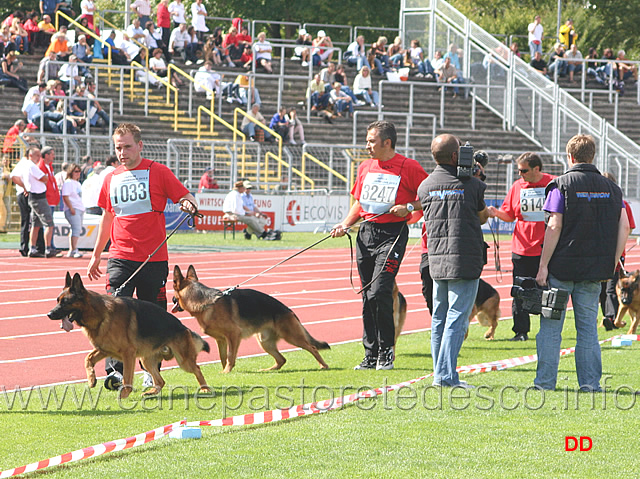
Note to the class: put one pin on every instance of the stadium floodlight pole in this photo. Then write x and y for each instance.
(559, 20)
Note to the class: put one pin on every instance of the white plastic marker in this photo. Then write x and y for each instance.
(267, 416)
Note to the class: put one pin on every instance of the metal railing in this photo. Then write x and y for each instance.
(86, 31)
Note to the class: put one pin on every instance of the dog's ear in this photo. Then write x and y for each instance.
(67, 280)
(177, 274)
(191, 273)
(76, 284)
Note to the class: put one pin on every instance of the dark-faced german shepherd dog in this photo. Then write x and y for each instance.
(237, 314)
(628, 289)
(126, 329)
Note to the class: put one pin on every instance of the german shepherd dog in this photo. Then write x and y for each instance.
(486, 309)
(628, 289)
(126, 329)
(232, 316)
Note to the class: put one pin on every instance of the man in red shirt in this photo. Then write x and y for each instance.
(133, 198)
(53, 193)
(524, 203)
(163, 18)
(385, 194)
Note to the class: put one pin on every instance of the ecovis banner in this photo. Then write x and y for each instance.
(287, 213)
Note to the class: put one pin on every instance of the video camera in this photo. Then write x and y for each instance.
(468, 162)
(549, 303)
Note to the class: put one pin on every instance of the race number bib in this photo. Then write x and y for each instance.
(130, 193)
(379, 192)
(531, 203)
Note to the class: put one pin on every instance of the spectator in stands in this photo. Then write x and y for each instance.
(69, 74)
(262, 48)
(10, 138)
(83, 53)
(567, 34)
(574, 64)
(118, 57)
(302, 50)
(6, 44)
(82, 30)
(159, 67)
(395, 52)
(39, 89)
(438, 60)
(135, 30)
(99, 117)
(557, 62)
(317, 93)
(208, 181)
(46, 69)
(416, 56)
(362, 87)
(341, 77)
(206, 77)
(176, 10)
(539, 63)
(31, 26)
(50, 7)
(625, 70)
(9, 73)
(607, 66)
(47, 30)
(73, 208)
(198, 19)
(592, 65)
(163, 18)
(322, 50)
(152, 37)
(356, 54)
(340, 101)
(31, 106)
(249, 128)
(378, 56)
(193, 46)
(247, 57)
(449, 75)
(243, 88)
(231, 44)
(214, 51)
(279, 122)
(54, 88)
(536, 32)
(244, 39)
(515, 50)
(295, 126)
(87, 8)
(131, 50)
(179, 41)
(60, 46)
(143, 10)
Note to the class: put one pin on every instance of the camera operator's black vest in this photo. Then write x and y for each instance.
(586, 250)
(454, 237)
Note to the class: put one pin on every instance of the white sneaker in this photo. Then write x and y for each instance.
(77, 254)
(305, 64)
(293, 142)
(232, 65)
(360, 103)
(200, 61)
(147, 380)
(188, 62)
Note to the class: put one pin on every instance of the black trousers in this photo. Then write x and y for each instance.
(609, 297)
(379, 256)
(149, 284)
(427, 282)
(522, 266)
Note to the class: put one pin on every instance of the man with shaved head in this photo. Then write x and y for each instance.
(454, 209)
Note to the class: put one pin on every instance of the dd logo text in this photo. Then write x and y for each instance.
(582, 443)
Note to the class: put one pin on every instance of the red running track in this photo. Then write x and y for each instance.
(34, 351)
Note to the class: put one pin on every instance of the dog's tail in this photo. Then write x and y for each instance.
(402, 302)
(201, 344)
(315, 343)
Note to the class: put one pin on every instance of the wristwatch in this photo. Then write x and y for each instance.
(410, 207)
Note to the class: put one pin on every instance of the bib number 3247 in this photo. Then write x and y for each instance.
(379, 192)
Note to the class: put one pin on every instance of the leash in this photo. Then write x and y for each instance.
(496, 252)
(191, 216)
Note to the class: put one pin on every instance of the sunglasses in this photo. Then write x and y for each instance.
(523, 171)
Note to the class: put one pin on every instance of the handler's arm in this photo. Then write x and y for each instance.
(483, 215)
(623, 234)
(341, 228)
(551, 237)
(104, 232)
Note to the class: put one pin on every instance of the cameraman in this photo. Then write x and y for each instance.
(524, 204)
(454, 209)
(587, 229)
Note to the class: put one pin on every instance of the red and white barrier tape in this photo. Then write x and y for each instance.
(274, 415)
(93, 451)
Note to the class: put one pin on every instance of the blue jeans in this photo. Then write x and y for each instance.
(370, 99)
(533, 48)
(358, 61)
(561, 65)
(584, 296)
(452, 304)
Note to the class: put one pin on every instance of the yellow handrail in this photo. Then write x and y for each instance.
(306, 155)
(192, 80)
(170, 88)
(213, 116)
(261, 125)
(86, 30)
(97, 17)
(282, 163)
(147, 72)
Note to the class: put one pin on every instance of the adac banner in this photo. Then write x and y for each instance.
(286, 213)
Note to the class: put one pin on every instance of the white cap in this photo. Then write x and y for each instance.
(321, 33)
(302, 31)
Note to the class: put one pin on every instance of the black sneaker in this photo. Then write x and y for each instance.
(385, 359)
(247, 235)
(607, 323)
(51, 253)
(369, 362)
(520, 337)
(34, 253)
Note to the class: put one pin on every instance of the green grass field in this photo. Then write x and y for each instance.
(502, 429)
